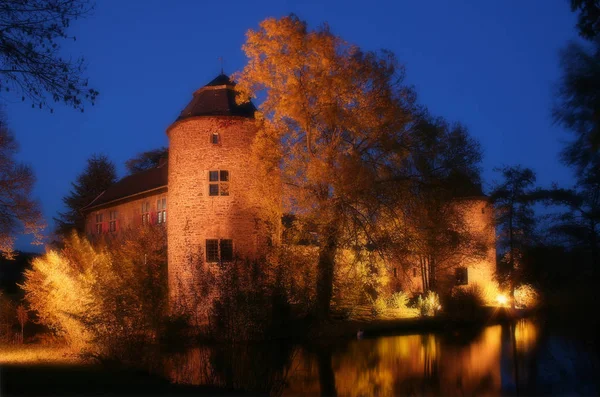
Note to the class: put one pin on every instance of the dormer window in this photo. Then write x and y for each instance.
(218, 183)
(214, 138)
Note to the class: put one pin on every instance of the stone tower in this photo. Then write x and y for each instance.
(209, 179)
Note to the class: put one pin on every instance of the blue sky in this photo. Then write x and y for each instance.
(491, 65)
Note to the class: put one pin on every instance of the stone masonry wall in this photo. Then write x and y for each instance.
(194, 216)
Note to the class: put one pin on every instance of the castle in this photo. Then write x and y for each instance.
(201, 194)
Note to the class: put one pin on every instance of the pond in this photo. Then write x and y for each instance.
(523, 358)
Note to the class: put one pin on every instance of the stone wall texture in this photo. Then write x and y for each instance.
(194, 216)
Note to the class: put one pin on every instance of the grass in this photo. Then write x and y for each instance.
(37, 354)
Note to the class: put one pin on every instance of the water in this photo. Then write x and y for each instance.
(526, 358)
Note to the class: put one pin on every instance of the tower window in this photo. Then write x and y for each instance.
(219, 250)
(214, 138)
(218, 183)
(462, 276)
(99, 218)
(112, 221)
(161, 210)
(145, 213)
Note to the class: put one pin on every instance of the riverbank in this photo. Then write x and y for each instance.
(373, 327)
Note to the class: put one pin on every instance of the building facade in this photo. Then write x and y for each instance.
(201, 194)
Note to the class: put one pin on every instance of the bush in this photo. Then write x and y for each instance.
(429, 305)
(398, 301)
(107, 299)
(379, 306)
(526, 296)
(466, 301)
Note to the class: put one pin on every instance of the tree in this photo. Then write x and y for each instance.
(444, 162)
(19, 213)
(30, 34)
(334, 123)
(23, 317)
(578, 102)
(513, 199)
(98, 175)
(146, 160)
(588, 20)
(580, 223)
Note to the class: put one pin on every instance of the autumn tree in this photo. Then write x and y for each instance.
(22, 317)
(444, 165)
(333, 128)
(19, 213)
(30, 62)
(97, 176)
(513, 198)
(146, 160)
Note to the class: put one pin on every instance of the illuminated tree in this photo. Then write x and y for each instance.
(513, 199)
(30, 61)
(22, 317)
(333, 128)
(98, 175)
(146, 160)
(19, 213)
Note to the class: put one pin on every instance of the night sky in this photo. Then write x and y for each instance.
(492, 65)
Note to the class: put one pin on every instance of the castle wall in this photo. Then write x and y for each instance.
(129, 212)
(479, 219)
(194, 215)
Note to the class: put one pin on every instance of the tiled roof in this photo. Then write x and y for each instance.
(217, 98)
(132, 185)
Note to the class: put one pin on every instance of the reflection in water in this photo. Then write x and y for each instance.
(498, 360)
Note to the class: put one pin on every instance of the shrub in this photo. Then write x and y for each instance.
(526, 296)
(379, 306)
(108, 298)
(466, 301)
(398, 301)
(429, 305)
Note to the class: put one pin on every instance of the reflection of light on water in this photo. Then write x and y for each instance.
(525, 336)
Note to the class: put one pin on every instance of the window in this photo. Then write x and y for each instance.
(218, 183)
(214, 138)
(414, 272)
(146, 213)
(112, 221)
(161, 210)
(99, 223)
(219, 250)
(462, 276)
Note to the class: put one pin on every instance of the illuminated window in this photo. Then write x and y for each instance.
(146, 213)
(161, 210)
(112, 221)
(214, 139)
(462, 276)
(219, 250)
(99, 223)
(218, 183)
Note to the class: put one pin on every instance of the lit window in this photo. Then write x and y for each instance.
(218, 183)
(99, 223)
(112, 221)
(214, 139)
(219, 250)
(161, 210)
(462, 276)
(146, 213)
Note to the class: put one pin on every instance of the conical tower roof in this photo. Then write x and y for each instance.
(217, 98)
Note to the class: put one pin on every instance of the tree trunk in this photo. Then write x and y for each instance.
(325, 272)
